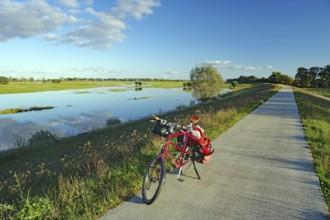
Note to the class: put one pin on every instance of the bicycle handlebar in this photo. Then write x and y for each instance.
(156, 118)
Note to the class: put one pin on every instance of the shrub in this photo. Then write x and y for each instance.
(4, 80)
(19, 141)
(42, 136)
(33, 208)
(113, 121)
(56, 81)
(234, 84)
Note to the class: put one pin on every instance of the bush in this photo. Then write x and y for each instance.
(56, 81)
(4, 80)
(33, 208)
(42, 136)
(234, 84)
(113, 121)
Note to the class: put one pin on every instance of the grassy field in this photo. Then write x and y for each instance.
(23, 87)
(321, 91)
(315, 114)
(82, 177)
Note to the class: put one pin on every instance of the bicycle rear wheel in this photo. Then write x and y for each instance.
(153, 180)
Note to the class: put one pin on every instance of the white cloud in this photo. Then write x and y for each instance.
(239, 67)
(269, 67)
(225, 64)
(38, 74)
(136, 8)
(98, 70)
(96, 29)
(51, 36)
(108, 26)
(69, 3)
(215, 62)
(28, 19)
(102, 72)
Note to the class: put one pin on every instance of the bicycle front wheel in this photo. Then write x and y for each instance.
(153, 180)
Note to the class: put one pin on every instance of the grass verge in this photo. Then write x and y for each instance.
(314, 112)
(321, 91)
(37, 86)
(82, 177)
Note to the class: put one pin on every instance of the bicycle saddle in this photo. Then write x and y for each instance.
(194, 119)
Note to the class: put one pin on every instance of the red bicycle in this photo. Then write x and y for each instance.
(187, 149)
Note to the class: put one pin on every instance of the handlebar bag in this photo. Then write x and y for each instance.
(162, 129)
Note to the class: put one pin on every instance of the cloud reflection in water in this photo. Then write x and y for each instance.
(61, 126)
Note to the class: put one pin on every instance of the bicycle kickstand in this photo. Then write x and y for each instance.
(178, 177)
(196, 169)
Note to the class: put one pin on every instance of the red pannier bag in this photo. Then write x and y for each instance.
(205, 143)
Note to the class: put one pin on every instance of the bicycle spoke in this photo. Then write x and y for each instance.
(153, 180)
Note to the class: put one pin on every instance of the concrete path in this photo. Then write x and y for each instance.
(262, 169)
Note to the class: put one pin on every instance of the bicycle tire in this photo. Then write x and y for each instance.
(153, 180)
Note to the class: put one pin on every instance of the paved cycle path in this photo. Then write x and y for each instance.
(262, 169)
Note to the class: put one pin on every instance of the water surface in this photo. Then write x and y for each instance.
(80, 110)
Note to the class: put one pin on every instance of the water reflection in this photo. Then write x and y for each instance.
(77, 111)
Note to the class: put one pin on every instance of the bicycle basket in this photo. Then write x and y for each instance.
(162, 129)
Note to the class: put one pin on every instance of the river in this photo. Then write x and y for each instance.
(81, 110)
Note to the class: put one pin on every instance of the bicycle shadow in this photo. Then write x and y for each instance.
(189, 174)
(137, 199)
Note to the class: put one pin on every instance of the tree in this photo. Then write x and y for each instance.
(138, 83)
(4, 80)
(302, 78)
(234, 83)
(326, 73)
(313, 74)
(252, 78)
(275, 77)
(324, 77)
(206, 81)
(313, 77)
(285, 79)
(278, 77)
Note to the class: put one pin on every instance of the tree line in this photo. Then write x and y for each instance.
(312, 77)
(7, 80)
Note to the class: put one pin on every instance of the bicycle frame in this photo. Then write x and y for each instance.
(177, 162)
(155, 174)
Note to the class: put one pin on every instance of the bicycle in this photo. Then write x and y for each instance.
(179, 138)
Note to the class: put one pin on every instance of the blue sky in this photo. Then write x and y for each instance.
(161, 39)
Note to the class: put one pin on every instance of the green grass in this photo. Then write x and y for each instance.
(82, 177)
(321, 91)
(315, 114)
(20, 110)
(25, 87)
